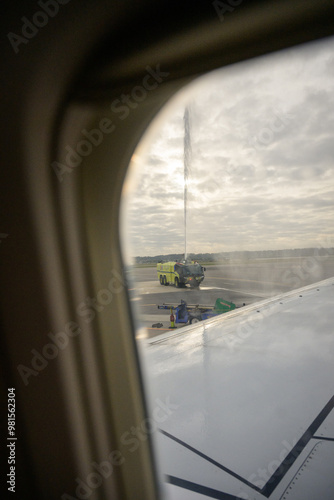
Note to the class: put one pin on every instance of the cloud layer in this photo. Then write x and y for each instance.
(262, 170)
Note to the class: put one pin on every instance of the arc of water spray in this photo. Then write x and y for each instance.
(187, 169)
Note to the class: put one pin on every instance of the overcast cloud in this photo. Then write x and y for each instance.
(262, 173)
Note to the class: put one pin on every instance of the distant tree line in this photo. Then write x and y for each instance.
(245, 254)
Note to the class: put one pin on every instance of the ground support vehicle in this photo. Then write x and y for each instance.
(180, 274)
(193, 313)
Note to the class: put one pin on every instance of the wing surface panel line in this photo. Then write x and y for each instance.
(277, 477)
(211, 460)
(198, 488)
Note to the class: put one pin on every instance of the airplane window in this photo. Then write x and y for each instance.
(228, 203)
(237, 176)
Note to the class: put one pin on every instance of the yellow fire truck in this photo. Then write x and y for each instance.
(180, 274)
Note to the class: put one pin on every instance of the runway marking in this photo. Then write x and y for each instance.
(243, 292)
(206, 288)
(251, 281)
(211, 288)
(161, 329)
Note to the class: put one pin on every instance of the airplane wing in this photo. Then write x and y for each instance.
(250, 397)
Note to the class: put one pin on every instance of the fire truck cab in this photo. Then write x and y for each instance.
(180, 274)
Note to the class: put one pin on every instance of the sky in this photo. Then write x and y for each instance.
(262, 161)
